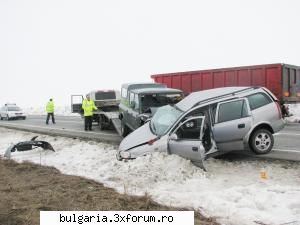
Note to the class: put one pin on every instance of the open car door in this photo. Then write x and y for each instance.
(76, 104)
(186, 140)
(232, 122)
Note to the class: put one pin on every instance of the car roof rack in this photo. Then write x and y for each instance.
(232, 94)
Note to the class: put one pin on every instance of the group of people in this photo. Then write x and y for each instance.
(88, 107)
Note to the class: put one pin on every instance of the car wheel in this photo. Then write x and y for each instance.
(261, 141)
(124, 129)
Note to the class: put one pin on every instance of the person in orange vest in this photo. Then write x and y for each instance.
(50, 111)
(88, 107)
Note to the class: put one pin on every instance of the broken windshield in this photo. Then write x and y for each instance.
(163, 119)
(158, 100)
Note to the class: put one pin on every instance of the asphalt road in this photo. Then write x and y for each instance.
(68, 126)
(287, 142)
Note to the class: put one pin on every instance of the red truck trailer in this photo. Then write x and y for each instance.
(282, 79)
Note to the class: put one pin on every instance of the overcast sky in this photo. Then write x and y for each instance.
(61, 47)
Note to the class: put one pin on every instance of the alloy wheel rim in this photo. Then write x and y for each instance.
(262, 141)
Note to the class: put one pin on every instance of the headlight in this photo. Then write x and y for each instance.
(125, 154)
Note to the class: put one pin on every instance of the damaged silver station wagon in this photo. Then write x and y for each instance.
(209, 123)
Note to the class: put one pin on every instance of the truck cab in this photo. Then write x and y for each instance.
(140, 101)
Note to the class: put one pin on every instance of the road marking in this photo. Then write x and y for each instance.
(292, 134)
(285, 150)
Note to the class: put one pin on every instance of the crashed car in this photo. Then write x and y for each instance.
(139, 101)
(209, 123)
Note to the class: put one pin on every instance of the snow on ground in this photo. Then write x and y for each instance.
(231, 191)
(295, 111)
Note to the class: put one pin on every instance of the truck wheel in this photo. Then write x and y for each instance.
(261, 141)
(101, 123)
(124, 129)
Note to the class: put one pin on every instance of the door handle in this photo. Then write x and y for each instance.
(241, 125)
(195, 149)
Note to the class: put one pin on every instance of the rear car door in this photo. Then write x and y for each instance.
(185, 140)
(232, 122)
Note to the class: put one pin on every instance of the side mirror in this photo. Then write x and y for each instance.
(174, 137)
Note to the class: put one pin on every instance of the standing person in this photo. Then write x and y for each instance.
(88, 107)
(50, 111)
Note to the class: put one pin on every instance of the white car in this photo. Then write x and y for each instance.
(11, 111)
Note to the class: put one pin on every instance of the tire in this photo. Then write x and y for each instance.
(124, 129)
(261, 141)
(101, 123)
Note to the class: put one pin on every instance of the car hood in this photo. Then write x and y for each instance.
(138, 137)
(153, 110)
(15, 111)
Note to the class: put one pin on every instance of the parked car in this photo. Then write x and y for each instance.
(209, 123)
(140, 101)
(11, 111)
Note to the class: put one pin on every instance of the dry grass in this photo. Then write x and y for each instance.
(26, 189)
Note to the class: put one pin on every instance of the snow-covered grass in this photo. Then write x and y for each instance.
(295, 111)
(231, 191)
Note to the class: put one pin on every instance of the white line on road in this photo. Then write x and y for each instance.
(285, 150)
(292, 134)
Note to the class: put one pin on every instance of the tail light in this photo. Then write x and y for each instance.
(279, 110)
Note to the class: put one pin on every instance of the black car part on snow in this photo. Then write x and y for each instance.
(28, 145)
